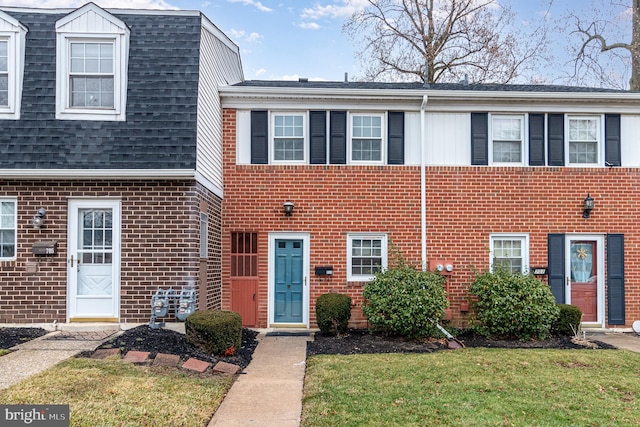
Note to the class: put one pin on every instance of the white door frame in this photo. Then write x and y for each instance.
(599, 239)
(305, 277)
(72, 245)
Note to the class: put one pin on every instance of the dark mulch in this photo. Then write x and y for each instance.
(365, 342)
(143, 338)
(10, 337)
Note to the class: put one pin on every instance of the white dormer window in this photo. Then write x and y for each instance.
(12, 42)
(92, 62)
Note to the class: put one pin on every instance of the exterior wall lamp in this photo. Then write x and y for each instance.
(288, 208)
(588, 206)
(38, 218)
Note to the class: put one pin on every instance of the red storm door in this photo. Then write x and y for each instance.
(584, 278)
(244, 276)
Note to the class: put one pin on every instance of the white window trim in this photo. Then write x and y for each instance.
(305, 136)
(524, 135)
(601, 136)
(350, 237)
(383, 137)
(15, 67)
(91, 23)
(15, 228)
(511, 236)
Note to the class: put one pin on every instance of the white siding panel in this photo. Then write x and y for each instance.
(630, 140)
(219, 65)
(91, 22)
(243, 137)
(412, 153)
(448, 139)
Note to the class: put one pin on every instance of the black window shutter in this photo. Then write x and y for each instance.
(259, 138)
(318, 137)
(555, 265)
(338, 137)
(536, 140)
(479, 139)
(556, 139)
(612, 155)
(615, 279)
(395, 149)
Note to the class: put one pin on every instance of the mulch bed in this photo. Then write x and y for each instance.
(143, 338)
(365, 342)
(10, 337)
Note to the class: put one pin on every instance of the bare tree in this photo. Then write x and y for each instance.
(597, 57)
(452, 39)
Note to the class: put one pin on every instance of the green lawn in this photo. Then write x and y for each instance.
(474, 387)
(116, 393)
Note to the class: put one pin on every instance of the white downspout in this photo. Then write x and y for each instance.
(423, 183)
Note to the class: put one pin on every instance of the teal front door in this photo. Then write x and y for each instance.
(288, 281)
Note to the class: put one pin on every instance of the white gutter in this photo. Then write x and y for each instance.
(423, 183)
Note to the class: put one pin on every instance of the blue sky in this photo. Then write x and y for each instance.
(288, 39)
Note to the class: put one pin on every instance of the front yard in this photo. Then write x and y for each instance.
(479, 387)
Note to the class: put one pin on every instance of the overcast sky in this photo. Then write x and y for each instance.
(287, 39)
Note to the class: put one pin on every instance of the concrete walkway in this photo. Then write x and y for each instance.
(627, 341)
(269, 392)
(42, 353)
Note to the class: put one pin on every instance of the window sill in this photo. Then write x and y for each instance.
(92, 115)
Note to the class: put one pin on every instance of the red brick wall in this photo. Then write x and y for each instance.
(464, 206)
(160, 245)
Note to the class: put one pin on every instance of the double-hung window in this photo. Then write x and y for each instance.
(4, 73)
(91, 74)
(12, 51)
(584, 140)
(366, 255)
(92, 54)
(510, 252)
(8, 227)
(366, 138)
(288, 137)
(507, 139)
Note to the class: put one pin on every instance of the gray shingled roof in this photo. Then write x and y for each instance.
(160, 129)
(487, 87)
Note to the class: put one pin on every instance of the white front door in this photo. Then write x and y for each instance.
(585, 276)
(93, 264)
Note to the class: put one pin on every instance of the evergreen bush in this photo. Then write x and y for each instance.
(568, 321)
(513, 306)
(403, 301)
(333, 312)
(217, 332)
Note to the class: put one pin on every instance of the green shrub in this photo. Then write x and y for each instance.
(333, 312)
(568, 321)
(216, 332)
(513, 306)
(402, 300)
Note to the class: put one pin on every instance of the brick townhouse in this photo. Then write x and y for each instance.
(110, 160)
(324, 180)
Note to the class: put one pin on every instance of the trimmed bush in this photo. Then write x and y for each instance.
(333, 312)
(513, 306)
(217, 332)
(401, 300)
(568, 321)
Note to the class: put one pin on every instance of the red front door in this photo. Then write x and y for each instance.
(584, 278)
